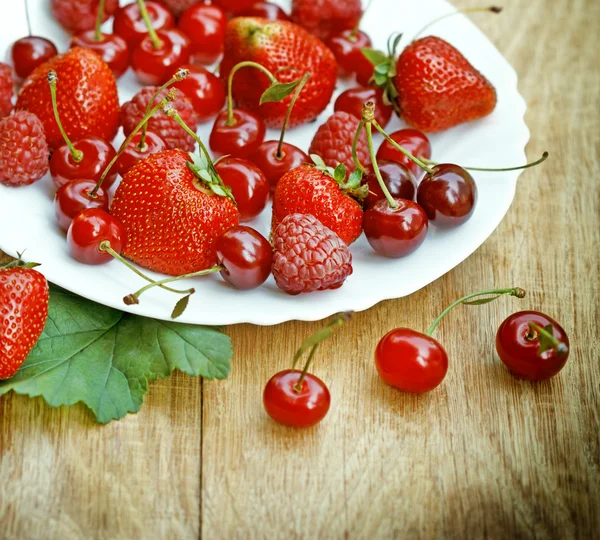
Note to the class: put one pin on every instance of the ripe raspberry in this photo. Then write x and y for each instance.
(7, 89)
(80, 15)
(333, 142)
(177, 7)
(23, 149)
(173, 134)
(308, 256)
(324, 18)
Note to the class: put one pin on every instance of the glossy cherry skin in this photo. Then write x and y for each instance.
(411, 361)
(518, 348)
(287, 406)
(242, 138)
(248, 184)
(29, 52)
(448, 195)
(88, 230)
(353, 100)
(128, 22)
(97, 154)
(73, 197)
(275, 167)
(205, 26)
(154, 66)
(266, 10)
(398, 179)
(111, 48)
(246, 255)
(132, 154)
(347, 49)
(204, 89)
(395, 232)
(412, 140)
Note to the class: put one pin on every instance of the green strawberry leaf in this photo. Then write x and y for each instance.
(105, 358)
(383, 68)
(318, 161)
(354, 179)
(339, 174)
(374, 56)
(278, 91)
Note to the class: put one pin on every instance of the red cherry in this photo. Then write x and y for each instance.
(398, 179)
(205, 25)
(286, 405)
(266, 10)
(132, 154)
(395, 232)
(30, 52)
(248, 184)
(275, 167)
(412, 140)
(88, 230)
(204, 89)
(518, 346)
(130, 25)
(242, 138)
(154, 65)
(246, 255)
(73, 197)
(448, 195)
(96, 155)
(411, 361)
(353, 100)
(347, 49)
(110, 47)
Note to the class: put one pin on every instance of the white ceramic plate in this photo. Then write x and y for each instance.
(27, 221)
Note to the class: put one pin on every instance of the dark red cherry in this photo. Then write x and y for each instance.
(154, 65)
(347, 49)
(399, 180)
(88, 230)
(448, 195)
(30, 52)
(73, 197)
(132, 153)
(242, 138)
(128, 22)
(248, 184)
(110, 47)
(353, 100)
(274, 166)
(412, 140)
(204, 89)
(246, 256)
(96, 154)
(266, 10)
(395, 232)
(205, 26)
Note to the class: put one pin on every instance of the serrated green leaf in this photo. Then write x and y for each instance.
(278, 92)
(339, 173)
(181, 306)
(105, 358)
(374, 56)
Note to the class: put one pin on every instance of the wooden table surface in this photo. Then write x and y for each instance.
(485, 455)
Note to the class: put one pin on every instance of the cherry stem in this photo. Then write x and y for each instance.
(27, 17)
(134, 298)
(248, 63)
(376, 170)
(105, 246)
(99, 20)
(313, 341)
(156, 42)
(357, 162)
(516, 291)
(77, 155)
(492, 9)
(532, 164)
(354, 33)
(536, 330)
(172, 113)
(299, 88)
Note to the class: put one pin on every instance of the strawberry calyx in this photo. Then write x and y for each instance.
(205, 171)
(351, 187)
(18, 263)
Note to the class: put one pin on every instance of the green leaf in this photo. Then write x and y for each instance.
(545, 342)
(383, 68)
(278, 91)
(481, 301)
(374, 56)
(354, 179)
(318, 161)
(181, 306)
(105, 358)
(339, 174)
(380, 79)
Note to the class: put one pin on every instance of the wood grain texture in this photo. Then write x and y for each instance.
(485, 455)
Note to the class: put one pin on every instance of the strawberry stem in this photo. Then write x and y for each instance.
(77, 155)
(156, 42)
(532, 164)
(492, 9)
(299, 88)
(99, 20)
(386, 191)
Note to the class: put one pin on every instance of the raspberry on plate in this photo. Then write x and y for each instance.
(80, 15)
(7, 89)
(308, 256)
(23, 149)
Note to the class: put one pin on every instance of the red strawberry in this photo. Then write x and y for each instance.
(308, 256)
(171, 217)
(23, 314)
(23, 149)
(277, 45)
(88, 103)
(170, 131)
(326, 17)
(319, 191)
(333, 141)
(7, 89)
(80, 15)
